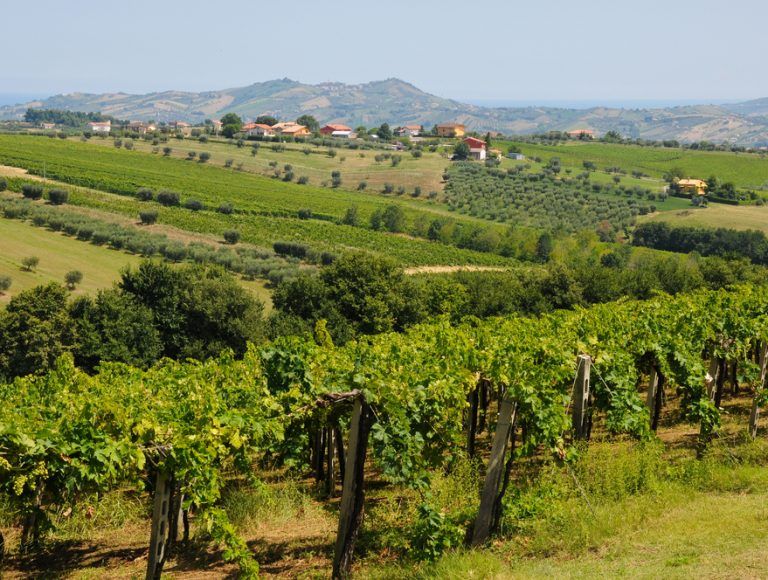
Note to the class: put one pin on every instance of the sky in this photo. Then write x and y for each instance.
(532, 51)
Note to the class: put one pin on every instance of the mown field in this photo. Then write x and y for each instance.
(717, 216)
(745, 170)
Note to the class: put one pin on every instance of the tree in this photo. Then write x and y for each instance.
(168, 198)
(266, 120)
(231, 119)
(384, 132)
(73, 278)
(58, 196)
(30, 263)
(32, 191)
(544, 247)
(3, 184)
(350, 217)
(335, 178)
(309, 122)
(144, 194)
(204, 156)
(5, 283)
(148, 217)
(232, 236)
(393, 218)
(34, 331)
(114, 327)
(488, 139)
(461, 150)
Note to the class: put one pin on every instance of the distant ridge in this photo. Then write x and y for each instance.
(397, 102)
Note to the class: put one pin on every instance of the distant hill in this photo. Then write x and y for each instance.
(398, 102)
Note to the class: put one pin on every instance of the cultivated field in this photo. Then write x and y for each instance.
(749, 217)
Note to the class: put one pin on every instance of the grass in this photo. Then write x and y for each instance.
(58, 255)
(745, 170)
(746, 217)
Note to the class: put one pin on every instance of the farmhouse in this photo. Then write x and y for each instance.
(582, 134)
(477, 148)
(100, 127)
(180, 127)
(333, 128)
(258, 130)
(290, 129)
(697, 186)
(141, 127)
(48, 126)
(451, 130)
(408, 131)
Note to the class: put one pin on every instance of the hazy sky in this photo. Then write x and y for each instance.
(532, 50)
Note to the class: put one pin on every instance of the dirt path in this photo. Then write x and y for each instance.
(452, 269)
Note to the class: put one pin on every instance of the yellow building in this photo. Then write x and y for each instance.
(451, 130)
(697, 186)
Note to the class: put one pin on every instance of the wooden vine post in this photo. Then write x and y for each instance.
(580, 418)
(161, 513)
(655, 397)
(490, 501)
(352, 496)
(754, 415)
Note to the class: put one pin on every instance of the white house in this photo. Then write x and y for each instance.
(477, 148)
(258, 130)
(516, 156)
(408, 131)
(343, 134)
(100, 127)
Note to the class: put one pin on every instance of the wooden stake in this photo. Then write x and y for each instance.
(473, 399)
(330, 481)
(159, 535)
(655, 397)
(579, 419)
(493, 476)
(754, 416)
(352, 495)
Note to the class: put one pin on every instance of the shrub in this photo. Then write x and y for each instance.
(58, 196)
(302, 180)
(240, 143)
(388, 188)
(204, 156)
(362, 185)
(73, 278)
(203, 138)
(144, 194)
(231, 236)
(304, 214)
(191, 155)
(193, 204)
(335, 178)
(3, 184)
(5, 283)
(416, 191)
(148, 217)
(167, 151)
(226, 208)
(168, 198)
(118, 143)
(31, 191)
(30, 263)
(128, 145)
(229, 162)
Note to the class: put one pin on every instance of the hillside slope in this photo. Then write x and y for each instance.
(398, 102)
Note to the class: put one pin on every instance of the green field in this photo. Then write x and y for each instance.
(355, 165)
(745, 170)
(58, 254)
(267, 210)
(750, 217)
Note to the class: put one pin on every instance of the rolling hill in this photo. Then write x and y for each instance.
(398, 102)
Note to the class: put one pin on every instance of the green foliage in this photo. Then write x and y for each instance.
(5, 283)
(58, 196)
(309, 122)
(30, 263)
(73, 278)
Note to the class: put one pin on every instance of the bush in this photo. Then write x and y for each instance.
(144, 194)
(388, 188)
(226, 208)
(204, 156)
(128, 145)
(58, 196)
(305, 214)
(191, 155)
(231, 236)
(31, 191)
(148, 217)
(167, 151)
(335, 178)
(302, 180)
(362, 185)
(3, 184)
(30, 263)
(203, 138)
(168, 198)
(5, 283)
(193, 204)
(73, 278)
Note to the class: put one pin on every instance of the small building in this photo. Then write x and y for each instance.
(48, 126)
(341, 134)
(258, 130)
(180, 127)
(408, 131)
(451, 130)
(100, 126)
(697, 186)
(290, 129)
(333, 128)
(477, 148)
(141, 128)
(581, 134)
(516, 156)
(216, 126)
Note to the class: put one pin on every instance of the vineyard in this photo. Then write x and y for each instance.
(407, 406)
